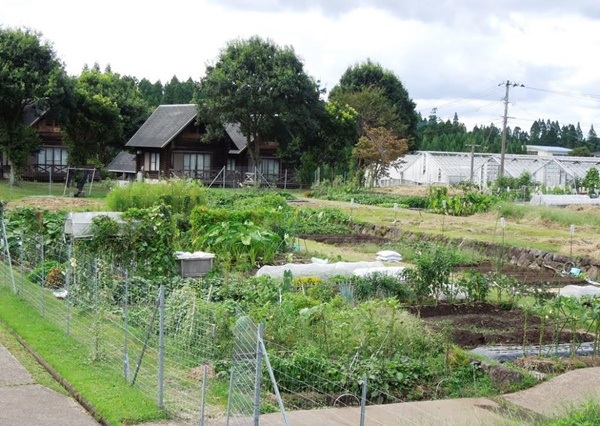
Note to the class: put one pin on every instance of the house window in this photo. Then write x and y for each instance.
(269, 166)
(194, 163)
(153, 161)
(231, 164)
(52, 156)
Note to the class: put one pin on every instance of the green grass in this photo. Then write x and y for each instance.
(587, 414)
(24, 189)
(39, 374)
(113, 398)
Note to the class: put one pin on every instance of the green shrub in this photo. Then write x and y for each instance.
(180, 195)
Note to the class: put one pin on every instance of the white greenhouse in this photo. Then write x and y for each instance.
(448, 168)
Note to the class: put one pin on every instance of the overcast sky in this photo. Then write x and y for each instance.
(450, 54)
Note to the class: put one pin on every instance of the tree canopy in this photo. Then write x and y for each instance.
(31, 77)
(108, 111)
(370, 75)
(377, 150)
(258, 84)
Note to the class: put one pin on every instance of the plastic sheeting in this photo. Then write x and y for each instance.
(562, 200)
(579, 291)
(80, 224)
(394, 271)
(322, 270)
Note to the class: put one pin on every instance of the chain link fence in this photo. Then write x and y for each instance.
(175, 347)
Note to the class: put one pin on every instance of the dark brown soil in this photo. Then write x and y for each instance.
(543, 277)
(488, 324)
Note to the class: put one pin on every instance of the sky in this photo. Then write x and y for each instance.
(453, 55)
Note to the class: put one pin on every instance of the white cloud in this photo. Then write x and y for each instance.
(451, 55)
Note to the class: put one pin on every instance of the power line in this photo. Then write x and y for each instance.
(574, 95)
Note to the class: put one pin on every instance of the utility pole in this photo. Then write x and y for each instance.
(507, 84)
(472, 160)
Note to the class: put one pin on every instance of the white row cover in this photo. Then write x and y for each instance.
(562, 200)
(79, 225)
(322, 270)
(579, 291)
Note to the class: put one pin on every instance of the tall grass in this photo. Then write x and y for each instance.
(558, 215)
(179, 194)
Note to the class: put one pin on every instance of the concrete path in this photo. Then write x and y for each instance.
(25, 403)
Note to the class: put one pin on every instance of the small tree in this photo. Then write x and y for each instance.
(377, 150)
(591, 179)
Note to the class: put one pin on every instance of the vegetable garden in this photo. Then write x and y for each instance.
(119, 294)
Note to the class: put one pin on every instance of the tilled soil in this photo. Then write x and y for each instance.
(488, 324)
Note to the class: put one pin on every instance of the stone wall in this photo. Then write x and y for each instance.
(525, 257)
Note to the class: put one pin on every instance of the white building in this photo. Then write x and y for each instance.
(547, 151)
(448, 168)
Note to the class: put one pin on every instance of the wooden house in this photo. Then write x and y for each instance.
(171, 144)
(50, 162)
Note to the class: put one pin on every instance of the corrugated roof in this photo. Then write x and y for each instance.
(124, 162)
(166, 122)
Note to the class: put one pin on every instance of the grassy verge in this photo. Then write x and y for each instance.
(106, 391)
(23, 189)
(39, 374)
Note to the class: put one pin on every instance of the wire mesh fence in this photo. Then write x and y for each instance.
(172, 346)
(175, 346)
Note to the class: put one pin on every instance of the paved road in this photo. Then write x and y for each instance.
(26, 403)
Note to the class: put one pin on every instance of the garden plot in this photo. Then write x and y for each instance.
(489, 324)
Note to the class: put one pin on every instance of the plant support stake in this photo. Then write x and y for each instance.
(572, 234)
(161, 346)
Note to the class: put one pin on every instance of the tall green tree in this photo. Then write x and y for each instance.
(372, 75)
(108, 111)
(373, 108)
(179, 92)
(31, 77)
(152, 93)
(593, 141)
(339, 133)
(258, 84)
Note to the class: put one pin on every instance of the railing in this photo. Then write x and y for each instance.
(44, 172)
(240, 177)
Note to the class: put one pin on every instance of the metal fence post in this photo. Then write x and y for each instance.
(126, 328)
(4, 237)
(161, 346)
(22, 260)
(274, 382)
(258, 376)
(96, 311)
(363, 402)
(203, 396)
(68, 286)
(229, 396)
(43, 277)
